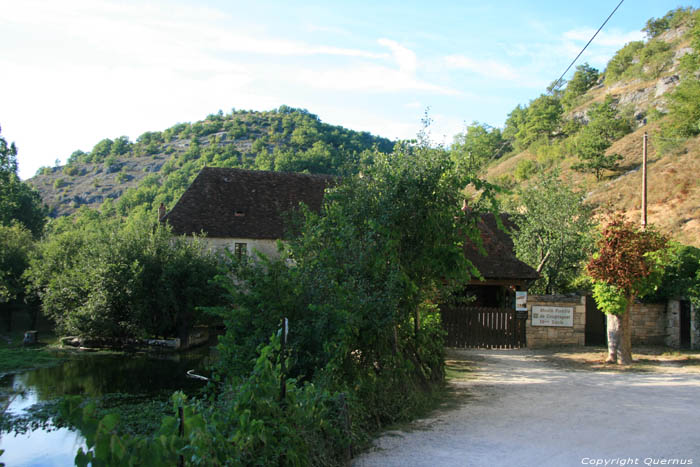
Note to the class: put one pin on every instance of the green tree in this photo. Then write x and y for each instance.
(554, 232)
(670, 20)
(19, 202)
(681, 277)
(628, 264)
(120, 146)
(590, 145)
(584, 79)
(479, 144)
(543, 118)
(622, 61)
(16, 243)
(101, 149)
(98, 277)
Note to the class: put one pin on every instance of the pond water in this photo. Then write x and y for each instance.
(90, 375)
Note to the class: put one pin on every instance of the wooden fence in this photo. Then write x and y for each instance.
(493, 328)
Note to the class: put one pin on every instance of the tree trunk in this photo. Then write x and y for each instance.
(620, 337)
(416, 322)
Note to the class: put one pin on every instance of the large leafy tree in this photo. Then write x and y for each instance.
(101, 277)
(18, 201)
(628, 264)
(554, 231)
(542, 120)
(16, 243)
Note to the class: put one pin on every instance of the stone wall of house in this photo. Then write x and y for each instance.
(267, 247)
(648, 323)
(542, 336)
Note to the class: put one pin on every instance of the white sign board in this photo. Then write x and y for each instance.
(520, 301)
(552, 316)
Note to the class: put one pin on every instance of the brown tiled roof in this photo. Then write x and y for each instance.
(500, 262)
(237, 203)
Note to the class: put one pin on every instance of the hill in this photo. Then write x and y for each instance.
(124, 176)
(600, 118)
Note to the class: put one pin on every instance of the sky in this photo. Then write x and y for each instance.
(77, 71)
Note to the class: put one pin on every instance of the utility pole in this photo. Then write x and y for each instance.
(644, 182)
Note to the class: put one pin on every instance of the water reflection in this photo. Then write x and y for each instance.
(90, 375)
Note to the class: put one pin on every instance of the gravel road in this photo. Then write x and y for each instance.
(521, 410)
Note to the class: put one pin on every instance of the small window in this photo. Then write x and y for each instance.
(240, 250)
(239, 213)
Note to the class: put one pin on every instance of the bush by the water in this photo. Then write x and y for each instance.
(107, 278)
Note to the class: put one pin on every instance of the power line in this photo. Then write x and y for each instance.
(556, 83)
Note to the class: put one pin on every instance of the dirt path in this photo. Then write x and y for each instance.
(520, 410)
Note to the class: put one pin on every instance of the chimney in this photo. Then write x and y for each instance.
(161, 212)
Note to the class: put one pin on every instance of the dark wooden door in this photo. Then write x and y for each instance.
(595, 324)
(685, 324)
(494, 328)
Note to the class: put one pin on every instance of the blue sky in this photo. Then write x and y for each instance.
(77, 71)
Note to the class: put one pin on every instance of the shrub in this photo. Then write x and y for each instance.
(100, 278)
(525, 169)
(59, 183)
(622, 61)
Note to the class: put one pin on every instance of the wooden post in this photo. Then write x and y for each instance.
(283, 342)
(644, 182)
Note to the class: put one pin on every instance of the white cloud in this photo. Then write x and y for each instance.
(405, 58)
(486, 68)
(613, 39)
(371, 78)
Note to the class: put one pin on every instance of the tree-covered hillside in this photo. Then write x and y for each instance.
(123, 176)
(591, 130)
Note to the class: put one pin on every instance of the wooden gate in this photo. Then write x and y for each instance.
(493, 328)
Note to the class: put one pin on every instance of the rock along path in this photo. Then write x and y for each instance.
(521, 410)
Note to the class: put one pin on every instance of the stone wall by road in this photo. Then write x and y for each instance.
(648, 323)
(542, 336)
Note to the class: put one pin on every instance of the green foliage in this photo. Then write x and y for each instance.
(70, 170)
(478, 145)
(619, 65)
(655, 58)
(524, 169)
(543, 118)
(123, 177)
(15, 358)
(670, 20)
(16, 243)
(584, 79)
(681, 277)
(120, 146)
(515, 121)
(554, 232)
(111, 163)
(609, 298)
(103, 278)
(19, 202)
(101, 150)
(249, 423)
(605, 127)
(683, 112)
